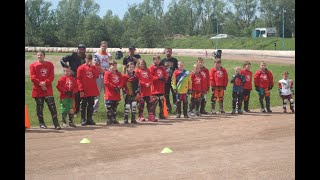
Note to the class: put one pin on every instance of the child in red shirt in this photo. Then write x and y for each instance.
(205, 84)
(67, 86)
(197, 89)
(219, 82)
(160, 76)
(263, 81)
(145, 81)
(42, 75)
(247, 87)
(113, 83)
(86, 80)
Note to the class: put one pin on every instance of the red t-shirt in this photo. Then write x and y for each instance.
(197, 82)
(218, 77)
(263, 79)
(144, 76)
(40, 72)
(67, 83)
(206, 78)
(158, 85)
(86, 80)
(111, 81)
(248, 76)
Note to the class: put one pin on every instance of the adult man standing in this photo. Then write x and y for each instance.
(171, 64)
(74, 61)
(101, 59)
(131, 57)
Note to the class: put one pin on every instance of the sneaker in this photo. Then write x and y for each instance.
(125, 121)
(263, 110)
(141, 119)
(161, 116)
(269, 110)
(240, 111)
(191, 114)
(213, 111)
(43, 126)
(247, 110)
(71, 124)
(186, 116)
(109, 122)
(198, 114)
(115, 122)
(204, 112)
(90, 122)
(134, 122)
(64, 125)
(178, 115)
(83, 122)
(222, 111)
(58, 127)
(292, 110)
(284, 111)
(233, 111)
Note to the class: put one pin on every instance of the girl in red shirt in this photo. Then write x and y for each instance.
(145, 81)
(42, 75)
(247, 87)
(197, 89)
(160, 77)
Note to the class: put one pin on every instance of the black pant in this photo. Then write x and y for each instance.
(246, 98)
(52, 107)
(77, 101)
(87, 107)
(167, 89)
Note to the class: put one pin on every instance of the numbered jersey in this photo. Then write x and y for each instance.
(102, 58)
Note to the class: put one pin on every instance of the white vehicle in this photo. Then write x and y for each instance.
(219, 36)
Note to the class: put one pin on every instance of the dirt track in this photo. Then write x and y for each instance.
(249, 146)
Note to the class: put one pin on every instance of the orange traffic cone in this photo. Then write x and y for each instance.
(26, 117)
(165, 110)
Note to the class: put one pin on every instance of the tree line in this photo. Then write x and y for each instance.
(147, 25)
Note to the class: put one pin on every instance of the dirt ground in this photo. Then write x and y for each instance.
(249, 146)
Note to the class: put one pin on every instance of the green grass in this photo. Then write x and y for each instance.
(189, 61)
(204, 42)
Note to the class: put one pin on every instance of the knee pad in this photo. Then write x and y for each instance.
(39, 101)
(291, 101)
(285, 101)
(127, 106)
(49, 100)
(134, 104)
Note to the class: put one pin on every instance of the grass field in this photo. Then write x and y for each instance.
(189, 61)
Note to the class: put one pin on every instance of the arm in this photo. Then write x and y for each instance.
(270, 76)
(49, 80)
(174, 81)
(79, 80)
(226, 78)
(64, 61)
(95, 72)
(212, 82)
(60, 86)
(33, 76)
(256, 79)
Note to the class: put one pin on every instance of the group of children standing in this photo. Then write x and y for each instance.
(140, 85)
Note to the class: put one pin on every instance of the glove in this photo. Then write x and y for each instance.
(292, 92)
(69, 93)
(279, 91)
(116, 89)
(161, 78)
(270, 87)
(189, 91)
(257, 88)
(203, 91)
(213, 88)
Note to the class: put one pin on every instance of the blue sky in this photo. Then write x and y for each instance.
(118, 7)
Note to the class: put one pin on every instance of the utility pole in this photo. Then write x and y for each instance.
(217, 34)
(283, 11)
